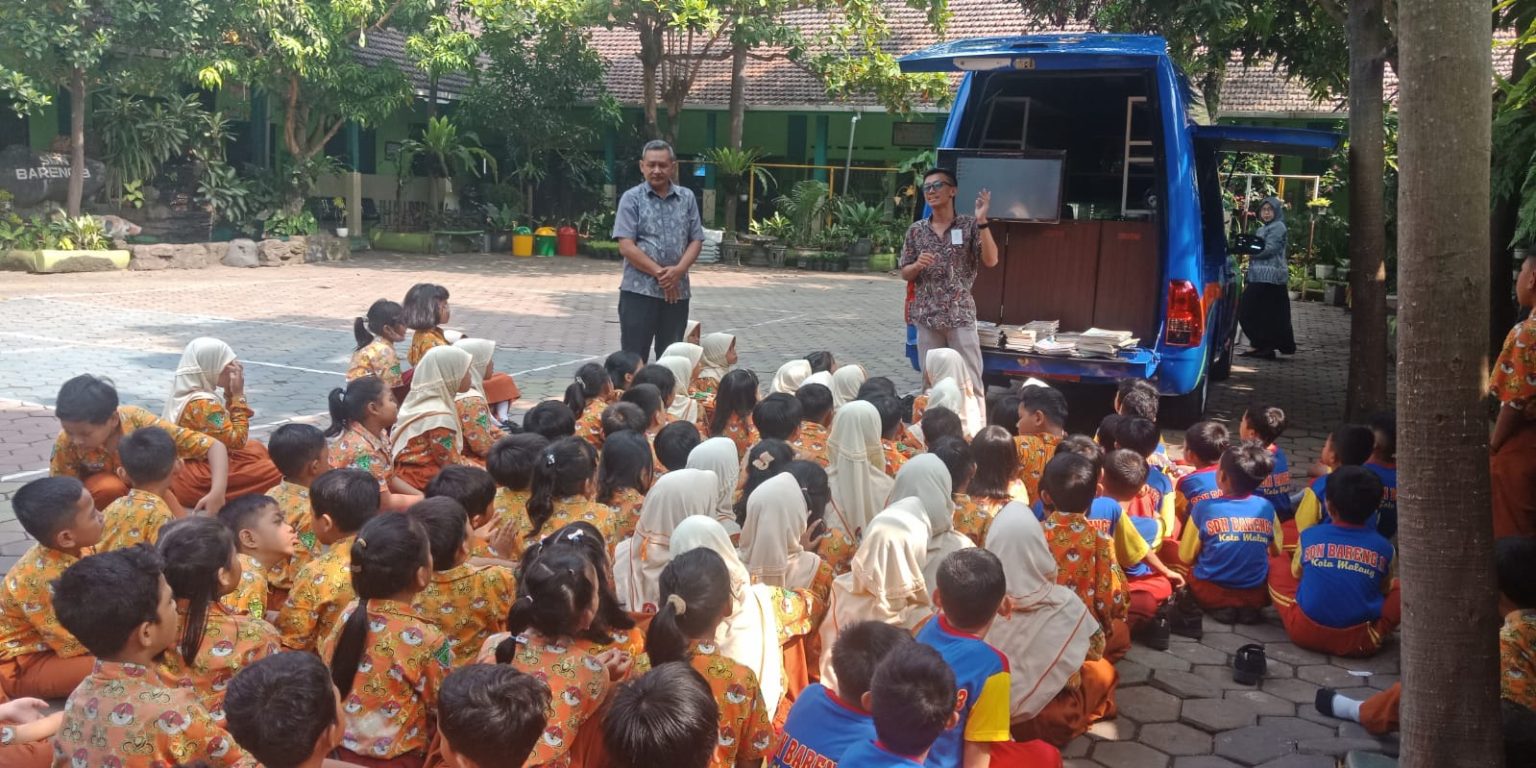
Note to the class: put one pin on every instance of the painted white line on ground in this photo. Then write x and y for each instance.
(765, 322)
(162, 289)
(292, 367)
(23, 475)
(557, 365)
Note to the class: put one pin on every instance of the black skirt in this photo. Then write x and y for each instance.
(1265, 315)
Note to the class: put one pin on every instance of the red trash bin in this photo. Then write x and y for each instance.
(566, 241)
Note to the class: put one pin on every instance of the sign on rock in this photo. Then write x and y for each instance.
(32, 177)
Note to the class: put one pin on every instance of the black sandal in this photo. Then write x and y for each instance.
(1249, 664)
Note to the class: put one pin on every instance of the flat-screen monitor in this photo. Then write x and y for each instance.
(1025, 186)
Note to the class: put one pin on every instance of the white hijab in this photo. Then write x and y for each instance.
(639, 560)
(886, 581)
(820, 377)
(945, 394)
(693, 352)
(770, 539)
(750, 634)
(429, 405)
(481, 352)
(717, 347)
(718, 455)
(927, 479)
(683, 408)
(790, 376)
(856, 467)
(688, 330)
(197, 375)
(944, 363)
(1047, 634)
(846, 382)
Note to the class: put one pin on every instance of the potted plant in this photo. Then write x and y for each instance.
(1296, 280)
(805, 206)
(500, 220)
(339, 204)
(737, 171)
(862, 224)
(451, 152)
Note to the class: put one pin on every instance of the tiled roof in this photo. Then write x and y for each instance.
(389, 45)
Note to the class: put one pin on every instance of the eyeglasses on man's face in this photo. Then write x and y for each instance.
(934, 186)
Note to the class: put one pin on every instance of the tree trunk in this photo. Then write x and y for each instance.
(1367, 389)
(738, 108)
(650, 64)
(1450, 711)
(77, 108)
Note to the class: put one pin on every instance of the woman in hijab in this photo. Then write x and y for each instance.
(719, 356)
(846, 381)
(1061, 683)
(480, 431)
(773, 538)
(886, 583)
(944, 363)
(790, 376)
(1265, 308)
(683, 407)
(856, 468)
(639, 559)
(926, 478)
(208, 365)
(427, 432)
(718, 455)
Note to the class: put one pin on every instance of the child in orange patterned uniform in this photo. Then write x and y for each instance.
(1512, 448)
(464, 600)
(815, 419)
(386, 659)
(94, 424)
(424, 311)
(299, 451)
(719, 356)
(624, 474)
(285, 712)
(121, 608)
(562, 491)
(201, 566)
(732, 416)
(38, 657)
(377, 335)
(1042, 420)
(673, 444)
(361, 417)
(475, 491)
(587, 396)
(208, 365)
(344, 499)
(427, 435)
(551, 419)
(1085, 554)
(490, 715)
(993, 485)
(149, 466)
(479, 428)
(897, 450)
(511, 465)
(265, 542)
(696, 598)
(666, 717)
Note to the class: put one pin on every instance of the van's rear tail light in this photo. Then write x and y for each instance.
(1186, 315)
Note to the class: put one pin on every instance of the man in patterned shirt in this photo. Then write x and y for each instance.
(939, 259)
(659, 233)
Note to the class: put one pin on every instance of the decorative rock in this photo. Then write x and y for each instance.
(324, 248)
(241, 252)
(1263, 703)
(1132, 673)
(46, 261)
(1147, 705)
(1264, 633)
(276, 253)
(1156, 659)
(216, 252)
(1175, 739)
(1118, 729)
(1197, 653)
(1327, 676)
(168, 256)
(1290, 653)
(1184, 685)
(1128, 755)
(1203, 761)
(1216, 715)
(1299, 691)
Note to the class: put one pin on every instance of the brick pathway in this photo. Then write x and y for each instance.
(292, 329)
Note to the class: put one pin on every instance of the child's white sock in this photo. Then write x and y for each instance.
(1346, 708)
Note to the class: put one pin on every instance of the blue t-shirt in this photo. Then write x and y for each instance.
(1236, 537)
(1387, 522)
(1343, 570)
(1159, 481)
(869, 754)
(981, 677)
(819, 729)
(1196, 487)
(1104, 510)
(1277, 487)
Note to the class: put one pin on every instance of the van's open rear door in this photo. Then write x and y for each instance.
(1265, 140)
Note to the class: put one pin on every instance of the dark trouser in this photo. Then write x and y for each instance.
(1265, 314)
(644, 320)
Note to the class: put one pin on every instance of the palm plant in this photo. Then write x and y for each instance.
(450, 150)
(737, 170)
(806, 205)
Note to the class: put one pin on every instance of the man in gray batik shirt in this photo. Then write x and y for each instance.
(660, 234)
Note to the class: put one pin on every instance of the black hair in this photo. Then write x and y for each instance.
(674, 442)
(1514, 560)
(349, 497)
(492, 714)
(194, 549)
(472, 487)
(913, 698)
(350, 405)
(948, 174)
(1137, 434)
(86, 398)
(660, 377)
(1005, 413)
(1384, 429)
(876, 385)
(1125, 472)
(241, 514)
(46, 506)
(512, 458)
(446, 524)
(1353, 494)
(552, 593)
(585, 540)
(1267, 422)
(1140, 402)
(971, 586)
(381, 314)
(277, 708)
(764, 460)
(814, 484)
(648, 398)
(997, 461)
(551, 418)
(1071, 481)
(667, 718)
(590, 382)
(1106, 432)
(777, 416)
(939, 422)
(1207, 441)
(821, 360)
(1047, 401)
(957, 458)
(700, 581)
(857, 653)
(386, 555)
(562, 469)
(421, 306)
(103, 598)
(889, 408)
(1246, 466)
(1085, 447)
(623, 415)
(148, 455)
(626, 462)
(621, 364)
(1353, 444)
(815, 401)
(294, 446)
(736, 396)
(1124, 386)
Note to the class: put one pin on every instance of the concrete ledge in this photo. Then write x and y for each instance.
(48, 261)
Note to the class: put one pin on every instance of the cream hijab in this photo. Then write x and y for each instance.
(750, 634)
(886, 581)
(197, 375)
(856, 467)
(691, 328)
(927, 479)
(945, 394)
(481, 352)
(683, 408)
(845, 384)
(429, 405)
(770, 539)
(820, 377)
(1047, 634)
(790, 376)
(944, 363)
(693, 352)
(717, 347)
(639, 559)
(718, 455)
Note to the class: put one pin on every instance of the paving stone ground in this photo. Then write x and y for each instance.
(292, 329)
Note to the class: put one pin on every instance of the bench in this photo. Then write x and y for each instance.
(442, 239)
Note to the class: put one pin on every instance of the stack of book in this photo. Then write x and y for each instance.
(1043, 329)
(990, 334)
(1098, 342)
(1056, 347)
(1018, 339)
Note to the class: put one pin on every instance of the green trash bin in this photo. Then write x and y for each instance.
(544, 241)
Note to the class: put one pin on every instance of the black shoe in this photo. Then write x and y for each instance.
(1156, 633)
(1324, 702)
(1185, 618)
(1250, 616)
(1224, 615)
(1249, 665)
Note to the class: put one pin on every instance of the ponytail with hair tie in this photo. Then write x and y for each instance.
(696, 597)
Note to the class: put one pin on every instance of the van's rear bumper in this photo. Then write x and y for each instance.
(1138, 363)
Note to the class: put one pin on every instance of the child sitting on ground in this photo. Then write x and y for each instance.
(913, 702)
(344, 499)
(284, 711)
(1348, 446)
(1042, 418)
(620, 416)
(120, 607)
(376, 337)
(475, 491)
(587, 396)
(465, 601)
(265, 541)
(1337, 595)
(38, 657)
(361, 417)
(1141, 437)
(490, 715)
(824, 723)
(1384, 463)
(957, 458)
(551, 419)
(1266, 424)
(1204, 444)
(386, 659)
(810, 443)
(479, 427)
(992, 486)
(299, 452)
(563, 485)
(624, 473)
(673, 444)
(665, 719)
(732, 415)
(427, 435)
(777, 417)
(149, 464)
(719, 355)
(1228, 539)
(1085, 552)
(897, 451)
(511, 465)
(1149, 583)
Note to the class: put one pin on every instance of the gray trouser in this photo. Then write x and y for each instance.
(962, 339)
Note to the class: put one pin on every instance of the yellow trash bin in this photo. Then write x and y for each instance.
(522, 242)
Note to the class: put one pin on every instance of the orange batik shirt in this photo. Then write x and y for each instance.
(811, 443)
(574, 509)
(589, 425)
(293, 500)
(973, 515)
(480, 430)
(741, 432)
(578, 685)
(123, 716)
(836, 549)
(134, 519)
(377, 358)
(421, 341)
(427, 453)
(625, 510)
(1517, 658)
(250, 595)
(230, 643)
(76, 461)
(357, 448)
(468, 603)
(28, 623)
(897, 454)
(1514, 373)
(1085, 560)
(229, 424)
(1034, 452)
(745, 732)
(391, 710)
(321, 589)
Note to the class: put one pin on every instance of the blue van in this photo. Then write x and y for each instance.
(1108, 204)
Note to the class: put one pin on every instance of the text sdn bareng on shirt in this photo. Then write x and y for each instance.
(662, 227)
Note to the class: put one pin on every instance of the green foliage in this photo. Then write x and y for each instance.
(851, 56)
(861, 220)
(53, 232)
(292, 224)
(777, 226)
(228, 197)
(132, 194)
(806, 205)
(452, 152)
(500, 218)
(733, 166)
